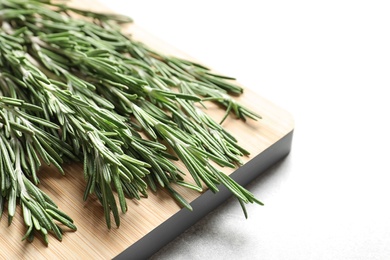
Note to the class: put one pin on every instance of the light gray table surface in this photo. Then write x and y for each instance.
(328, 64)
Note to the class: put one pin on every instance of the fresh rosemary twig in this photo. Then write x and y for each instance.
(72, 87)
(23, 141)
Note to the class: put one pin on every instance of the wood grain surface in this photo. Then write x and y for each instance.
(93, 240)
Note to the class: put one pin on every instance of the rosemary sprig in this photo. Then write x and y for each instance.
(22, 142)
(80, 87)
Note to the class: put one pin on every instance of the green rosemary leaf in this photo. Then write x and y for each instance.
(10, 151)
(119, 189)
(1, 206)
(179, 198)
(36, 223)
(40, 121)
(33, 191)
(61, 219)
(28, 232)
(112, 204)
(11, 203)
(242, 204)
(37, 212)
(7, 160)
(189, 186)
(44, 233)
(21, 128)
(57, 231)
(105, 201)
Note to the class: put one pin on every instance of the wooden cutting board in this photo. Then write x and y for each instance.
(149, 223)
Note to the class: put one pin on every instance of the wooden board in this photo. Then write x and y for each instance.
(139, 235)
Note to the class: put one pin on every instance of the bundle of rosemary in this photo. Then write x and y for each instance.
(81, 88)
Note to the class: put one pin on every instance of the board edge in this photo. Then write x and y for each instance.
(204, 204)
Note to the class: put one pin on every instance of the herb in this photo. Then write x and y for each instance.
(80, 88)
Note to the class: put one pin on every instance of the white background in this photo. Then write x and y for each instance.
(328, 64)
